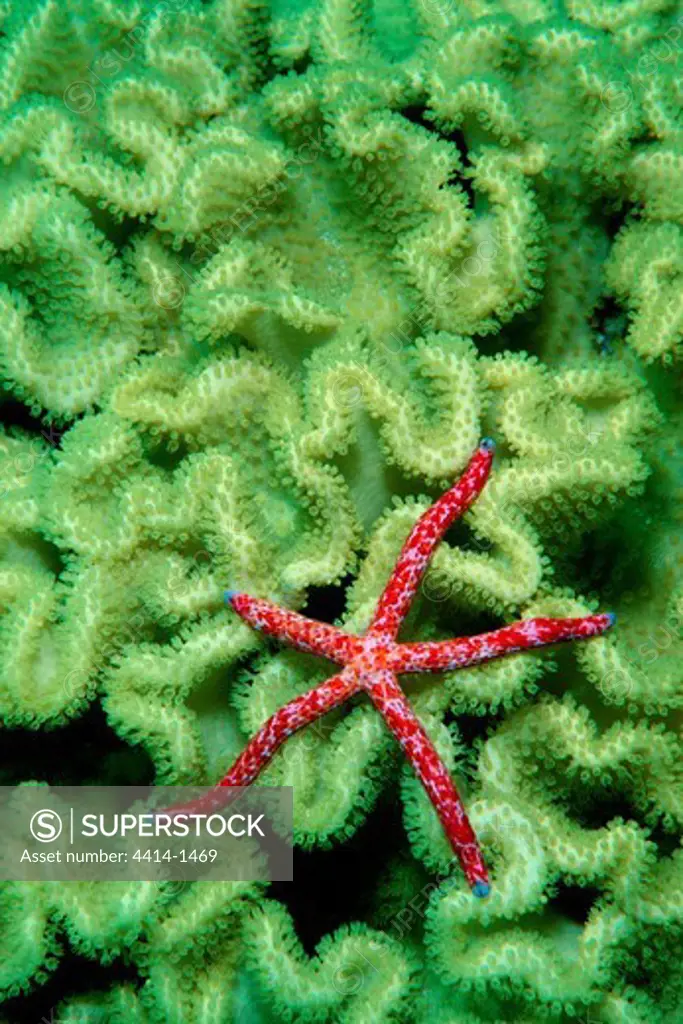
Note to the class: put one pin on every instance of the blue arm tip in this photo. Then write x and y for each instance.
(229, 594)
(487, 444)
(612, 616)
(481, 889)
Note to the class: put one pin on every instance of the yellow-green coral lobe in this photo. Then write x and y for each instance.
(269, 271)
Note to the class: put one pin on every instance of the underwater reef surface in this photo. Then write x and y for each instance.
(268, 271)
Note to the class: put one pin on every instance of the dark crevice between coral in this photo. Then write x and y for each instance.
(612, 560)
(418, 115)
(615, 215)
(117, 230)
(574, 902)
(333, 887)
(513, 336)
(589, 562)
(327, 604)
(434, 602)
(52, 558)
(465, 182)
(85, 752)
(474, 727)
(160, 632)
(609, 323)
(454, 620)
(666, 842)
(595, 806)
(302, 64)
(488, 345)
(164, 455)
(74, 976)
(461, 535)
(216, 691)
(14, 413)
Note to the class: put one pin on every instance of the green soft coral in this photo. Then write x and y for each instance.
(272, 269)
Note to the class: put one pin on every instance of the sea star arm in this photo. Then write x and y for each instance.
(390, 701)
(287, 720)
(372, 660)
(424, 537)
(440, 656)
(262, 746)
(305, 634)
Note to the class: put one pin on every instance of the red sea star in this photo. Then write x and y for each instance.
(372, 661)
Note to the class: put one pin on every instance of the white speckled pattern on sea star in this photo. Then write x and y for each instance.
(372, 661)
